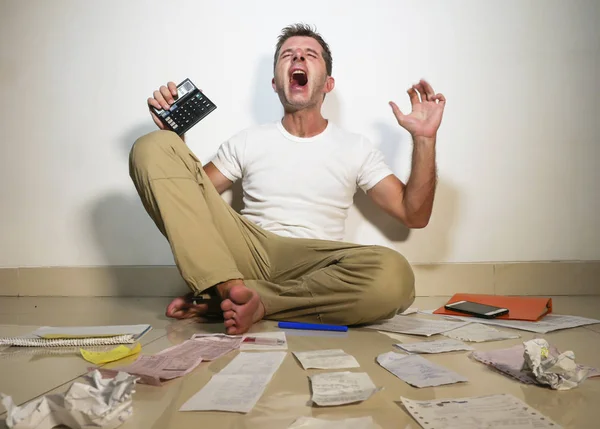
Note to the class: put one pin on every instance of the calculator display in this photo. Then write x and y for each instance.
(190, 107)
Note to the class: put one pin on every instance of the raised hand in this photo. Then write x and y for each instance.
(162, 98)
(427, 111)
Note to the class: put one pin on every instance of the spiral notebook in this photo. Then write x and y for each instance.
(69, 336)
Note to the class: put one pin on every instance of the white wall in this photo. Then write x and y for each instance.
(518, 152)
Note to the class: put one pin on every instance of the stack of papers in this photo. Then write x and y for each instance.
(551, 322)
(417, 326)
(492, 411)
(239, 385)
(418, 371)
(326, 359)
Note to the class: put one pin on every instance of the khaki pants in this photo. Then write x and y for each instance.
(297, 279)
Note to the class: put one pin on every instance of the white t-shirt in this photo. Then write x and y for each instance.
(300, 187)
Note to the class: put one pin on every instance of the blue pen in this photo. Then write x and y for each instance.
(312, 326)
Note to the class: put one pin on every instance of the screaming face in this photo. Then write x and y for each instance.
(298, 78)
(300, 74)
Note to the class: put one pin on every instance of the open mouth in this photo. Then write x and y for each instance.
(298, 78)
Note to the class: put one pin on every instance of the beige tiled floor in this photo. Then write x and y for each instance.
(26, 373)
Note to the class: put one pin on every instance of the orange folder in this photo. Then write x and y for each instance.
(519, 307)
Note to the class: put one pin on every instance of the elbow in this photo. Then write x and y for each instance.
(417, 223)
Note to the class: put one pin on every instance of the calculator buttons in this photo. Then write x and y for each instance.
(190, 108)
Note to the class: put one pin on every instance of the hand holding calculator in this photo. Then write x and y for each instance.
(179, 108)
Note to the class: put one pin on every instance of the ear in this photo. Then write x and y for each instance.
(273, 84)
(329, 84)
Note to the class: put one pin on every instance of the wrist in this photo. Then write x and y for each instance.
(422, 140)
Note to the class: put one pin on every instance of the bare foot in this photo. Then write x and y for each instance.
(241, 307)
(183, 307)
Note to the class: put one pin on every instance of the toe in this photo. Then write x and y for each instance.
(226, 305)
(229, 323)
(228, 314)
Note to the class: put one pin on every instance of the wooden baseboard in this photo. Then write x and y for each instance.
(524, 278)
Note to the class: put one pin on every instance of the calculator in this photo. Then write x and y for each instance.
(190, 107)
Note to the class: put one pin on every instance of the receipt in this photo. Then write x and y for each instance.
(170, 363)
(102, 404)
(326, 359)
(493, 411)
(213, 346)
(274, 337)
(478, 333)
(239, 386)
(338, 388)
(437, 346)
(417, 326)
(418, 371)
(352, 423)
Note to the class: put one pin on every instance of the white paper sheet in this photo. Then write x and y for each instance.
(410, 310)
(478, 333)
(102, 404)
(418, 371)
(417, 326)
(494, 411)
(551, 322)
(239, 385)
(352, 423)
(278, 335)
(437, 346)
(265, 363)
(326, 359)
(338, 388)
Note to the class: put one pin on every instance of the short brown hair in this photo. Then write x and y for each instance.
(304, 30)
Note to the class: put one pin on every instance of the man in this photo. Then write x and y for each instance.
(283, 258)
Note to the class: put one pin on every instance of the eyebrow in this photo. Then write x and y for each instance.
(307, 50)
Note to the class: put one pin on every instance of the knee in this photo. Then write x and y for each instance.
(152, 146)
(392, 287)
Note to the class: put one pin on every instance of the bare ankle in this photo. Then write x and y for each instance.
(223, 288)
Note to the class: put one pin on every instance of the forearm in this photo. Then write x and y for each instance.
(420, 187)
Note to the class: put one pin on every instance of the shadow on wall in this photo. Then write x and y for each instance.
(430, 244)
(124, 232)
(433, 244)
(391, 142)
